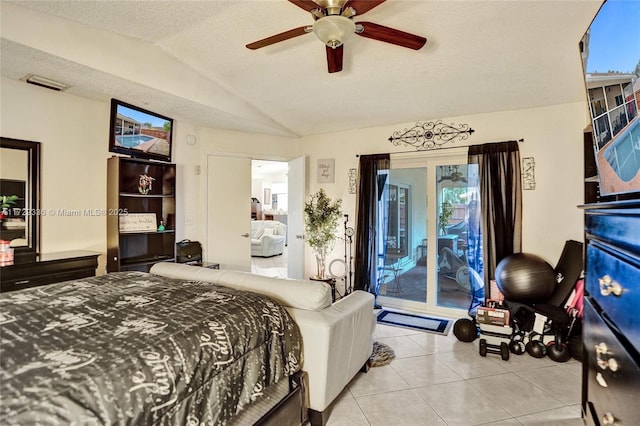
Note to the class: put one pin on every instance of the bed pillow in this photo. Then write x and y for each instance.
(268, 231)
(302, 294)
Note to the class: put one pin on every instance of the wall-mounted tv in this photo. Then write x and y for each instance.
(611, 63)
(140, 133)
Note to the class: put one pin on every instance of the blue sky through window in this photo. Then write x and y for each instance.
(614, 43)
(141, 117)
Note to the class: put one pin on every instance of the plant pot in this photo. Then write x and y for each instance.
(320, 267)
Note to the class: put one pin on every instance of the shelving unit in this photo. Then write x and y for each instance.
(139, 248)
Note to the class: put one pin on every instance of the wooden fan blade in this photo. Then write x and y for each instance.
(362, 6)
(390, 35)
(278, 38)
(334, 58)
(307, 5)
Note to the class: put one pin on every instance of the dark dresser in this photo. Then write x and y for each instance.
(48, 268)
(611, 333)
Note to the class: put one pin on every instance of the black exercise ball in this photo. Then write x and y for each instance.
(525, 278)
(465, 330)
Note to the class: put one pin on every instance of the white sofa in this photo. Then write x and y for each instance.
(267, 238)
(336, 338)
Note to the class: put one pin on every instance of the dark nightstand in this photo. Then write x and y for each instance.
(209, 265)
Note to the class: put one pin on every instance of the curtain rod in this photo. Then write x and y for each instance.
(440, 149)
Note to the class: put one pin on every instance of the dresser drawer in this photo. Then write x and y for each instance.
(615, 226)
(612, 281)
(36, 281)
(612, 374)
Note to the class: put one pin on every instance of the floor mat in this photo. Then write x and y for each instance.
(415, 322)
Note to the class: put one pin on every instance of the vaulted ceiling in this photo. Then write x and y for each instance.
(188, 60)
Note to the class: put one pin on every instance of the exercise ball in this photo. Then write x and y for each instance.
(465, 330)
(525, 278)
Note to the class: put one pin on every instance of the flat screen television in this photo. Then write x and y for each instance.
(611, 64)
(140, 133)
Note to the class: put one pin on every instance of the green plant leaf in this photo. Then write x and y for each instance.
(322, 217)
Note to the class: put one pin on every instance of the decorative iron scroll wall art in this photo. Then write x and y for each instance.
(431, 135)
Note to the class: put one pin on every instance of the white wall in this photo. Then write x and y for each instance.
(552, 135)
(14, 164)
(74, 135)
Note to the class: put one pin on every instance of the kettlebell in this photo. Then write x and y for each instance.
(558, 351)
(516, 345)
(536, 348)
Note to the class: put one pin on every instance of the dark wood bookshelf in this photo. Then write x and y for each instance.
(129, 250)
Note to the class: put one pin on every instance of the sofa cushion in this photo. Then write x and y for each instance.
(258, 234)
(302, 294)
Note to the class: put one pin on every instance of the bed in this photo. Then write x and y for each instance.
(136, 348)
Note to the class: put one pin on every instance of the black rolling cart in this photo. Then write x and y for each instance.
(495, 331)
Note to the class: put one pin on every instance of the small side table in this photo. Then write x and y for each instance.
(209, 265)
(331, 282)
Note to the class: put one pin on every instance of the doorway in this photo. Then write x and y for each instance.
(270, 201)
(424, 215)
(229, 216)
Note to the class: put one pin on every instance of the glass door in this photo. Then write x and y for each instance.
(425, 210)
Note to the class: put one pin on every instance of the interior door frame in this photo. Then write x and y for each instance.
(430, 160)
(248, 156)
(295, 229)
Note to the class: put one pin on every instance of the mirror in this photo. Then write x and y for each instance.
(20, 195)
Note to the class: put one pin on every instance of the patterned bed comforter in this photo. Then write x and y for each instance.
(134, 348)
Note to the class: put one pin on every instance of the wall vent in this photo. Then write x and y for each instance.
(45, 82)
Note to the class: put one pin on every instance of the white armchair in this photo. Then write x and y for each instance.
(267, 238)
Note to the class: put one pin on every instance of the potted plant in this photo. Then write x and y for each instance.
(446, 212)
(322, 217)
(6, 201)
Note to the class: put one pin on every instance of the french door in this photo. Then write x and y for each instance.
(423, 214)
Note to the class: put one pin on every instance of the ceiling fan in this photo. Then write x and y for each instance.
(454, 175)
(334, 25)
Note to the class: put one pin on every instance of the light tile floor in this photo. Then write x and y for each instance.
(438, 380)
(275, 266)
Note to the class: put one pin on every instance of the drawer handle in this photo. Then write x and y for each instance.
(22, 282)
(601, 381)
(611, 363)
(608, 286)
(601, 349)
(608, 419)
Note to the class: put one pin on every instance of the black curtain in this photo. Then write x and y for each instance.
(369, 192)
(500, 202)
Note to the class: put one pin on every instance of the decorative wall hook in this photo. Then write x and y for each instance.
(430, 135)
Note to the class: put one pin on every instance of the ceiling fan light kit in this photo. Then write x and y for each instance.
(333, 25)
(334, 30)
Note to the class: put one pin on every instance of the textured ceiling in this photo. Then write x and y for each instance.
(187, 59)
